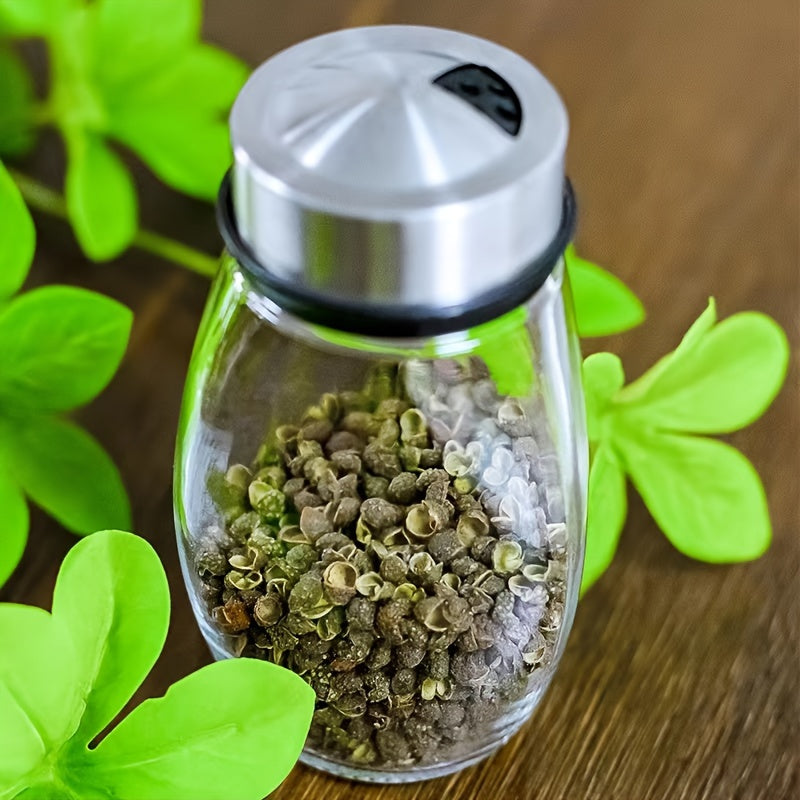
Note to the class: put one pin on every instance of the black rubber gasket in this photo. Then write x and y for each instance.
(393, 321)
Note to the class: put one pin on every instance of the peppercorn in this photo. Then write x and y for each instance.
(381, 578)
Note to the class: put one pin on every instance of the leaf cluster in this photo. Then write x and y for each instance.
(133, 72)
(233, 729)
(704, 494)
(59, 347)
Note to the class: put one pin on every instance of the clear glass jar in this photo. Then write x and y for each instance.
(381, 467)
(400, 522)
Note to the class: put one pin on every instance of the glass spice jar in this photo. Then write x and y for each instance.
(381, 465)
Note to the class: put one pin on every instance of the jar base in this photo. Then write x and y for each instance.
(417, 774)
(223, 647)
(347, 771)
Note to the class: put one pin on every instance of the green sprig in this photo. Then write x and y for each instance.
(59, 347)
(704, 494)
(233, 729)
(130, 71)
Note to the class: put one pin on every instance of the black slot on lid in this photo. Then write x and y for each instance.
(486, 91)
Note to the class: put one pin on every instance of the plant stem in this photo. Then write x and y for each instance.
(176, 252)
(38, 195)
(43, 198)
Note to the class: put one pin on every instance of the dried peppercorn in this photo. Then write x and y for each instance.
(351, 556)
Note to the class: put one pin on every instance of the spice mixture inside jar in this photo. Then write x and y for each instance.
(403, 548)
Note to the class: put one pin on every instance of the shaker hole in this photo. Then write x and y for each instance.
(487, 92)
(469, 88)
(506, 113)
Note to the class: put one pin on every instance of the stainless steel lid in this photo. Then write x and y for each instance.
(406, 168)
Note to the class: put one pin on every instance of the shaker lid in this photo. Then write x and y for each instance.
(397, 177)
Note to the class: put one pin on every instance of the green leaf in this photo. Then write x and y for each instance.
(187, 151)
(31, 17)
(726, 379)
(17, 237)
(603, 376)
(113, 597)
(206, 742)
(698, 329)
(14, 523)
(192, 95)
(608, 507)
(200, 81)
(603, 303)
(59, 347)
(133, 38)
(101, 199)
(506, 349)
(16, 105)
(68, 474)
(233, 729)
(705, 495)
(39, 703)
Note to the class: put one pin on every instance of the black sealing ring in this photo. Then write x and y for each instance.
(393, 321)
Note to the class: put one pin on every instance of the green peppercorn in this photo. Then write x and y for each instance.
(381, 578)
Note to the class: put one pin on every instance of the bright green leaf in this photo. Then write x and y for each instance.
(39, 702)
(31, 17)
(59, 347)
(691, 339)
(202, 80)
(705, 495)
(190, 744)
(101, 199)
(14, 524)
(66, 472)
(231, 730)
(17, 237)
(193, 94)
(699, 328)
(603, 376)
(723, 382)
(16, 105)
(136, 38)
(506, 349)
(608, 507)
(190, 153)
(112, 595)
(603, 303)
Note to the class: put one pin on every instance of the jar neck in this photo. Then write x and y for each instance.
(452, 344)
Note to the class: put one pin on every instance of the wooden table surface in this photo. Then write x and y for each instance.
(680, 680)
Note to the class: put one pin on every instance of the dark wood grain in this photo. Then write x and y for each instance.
(680, 680)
